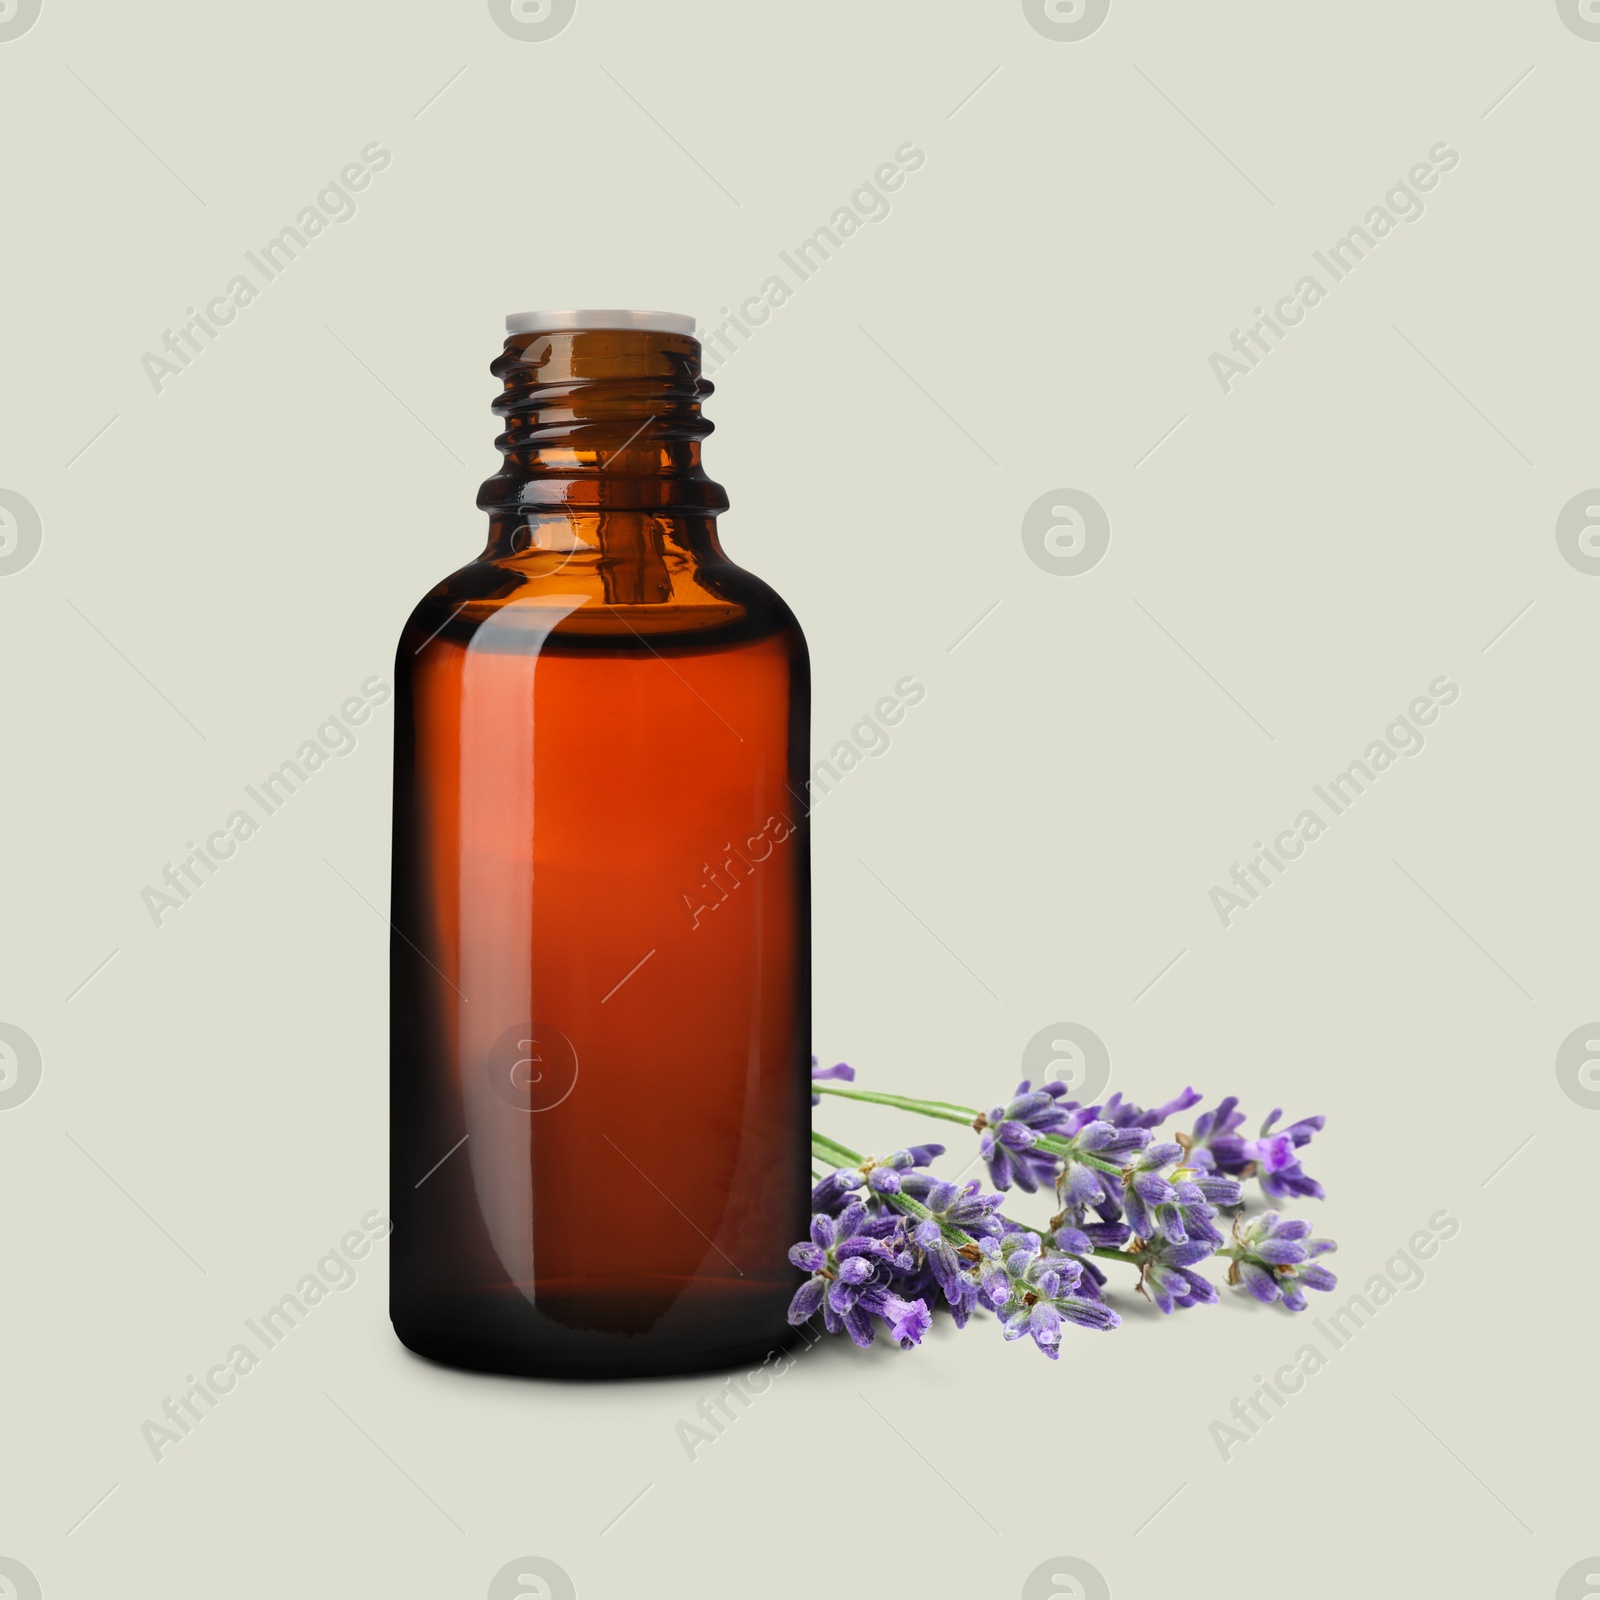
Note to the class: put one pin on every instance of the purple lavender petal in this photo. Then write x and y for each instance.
(1169, 1221)
(854, 1270)
(1159, 1114)
(859, 1326)
(1160, 1155)
(806, 1300)
(1202, 1291)
(1261, 1283)
(1109, 1235)
(910, 1321)
(1152, 1188)
(1155, 1286)
(1088, 1313)
(1280, 1252)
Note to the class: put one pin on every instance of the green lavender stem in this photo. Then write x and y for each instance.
(928, 1108)
(830, 1151)
(945, 1111)
(1105, 1253)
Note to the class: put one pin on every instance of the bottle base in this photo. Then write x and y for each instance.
(508, 1335)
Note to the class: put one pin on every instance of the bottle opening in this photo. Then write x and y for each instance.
(600, 321)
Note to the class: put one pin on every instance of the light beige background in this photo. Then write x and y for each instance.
(224, 562)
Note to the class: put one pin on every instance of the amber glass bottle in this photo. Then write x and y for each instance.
(600, 966)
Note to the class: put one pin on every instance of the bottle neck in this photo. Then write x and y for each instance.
(599, 422)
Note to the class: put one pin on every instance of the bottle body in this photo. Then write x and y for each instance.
(600, 979)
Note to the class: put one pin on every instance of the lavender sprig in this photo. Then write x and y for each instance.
(889, 1237)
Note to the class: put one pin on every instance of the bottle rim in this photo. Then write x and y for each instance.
(600, 321)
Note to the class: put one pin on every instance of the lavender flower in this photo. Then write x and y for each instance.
(1218, 1191)
(1010, 1132)
(832, 1193)
(1034, 1294)
(1173, 1205)
(1086, 1183)
(1273, 1258)
(1145, 1191)
(1216, 1146)
(888, 1176)
(903, 1170)
(1125, 1114)
(838, 1070)
(971, 1211)
(852, 1260)
(1076, 1233)
(1062, 1238)
(1166, 1275)
(1280, 1174)
(1177, 1204)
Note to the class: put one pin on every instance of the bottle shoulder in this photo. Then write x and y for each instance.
(580, 605)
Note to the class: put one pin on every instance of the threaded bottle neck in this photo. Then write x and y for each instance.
(600, 420)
